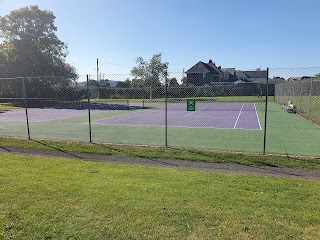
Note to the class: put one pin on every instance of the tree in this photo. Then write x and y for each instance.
(104, 83)
(173, 82)
(31, 48)
(151, 72)
(137, 83)
(317, 75)
(125, 84)
(184, 81)
(93, 83)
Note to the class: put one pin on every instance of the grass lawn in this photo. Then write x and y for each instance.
(171, 153)
(6, 107)
(48, 198)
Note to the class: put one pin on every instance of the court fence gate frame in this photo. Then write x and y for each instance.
(239, 117)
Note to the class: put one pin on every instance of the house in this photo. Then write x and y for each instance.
(290, 79)
(205, 74)
(252, 76)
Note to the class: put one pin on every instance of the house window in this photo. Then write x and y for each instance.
(226, 75)
(204, 75)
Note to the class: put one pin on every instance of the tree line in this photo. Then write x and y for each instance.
(30, 47)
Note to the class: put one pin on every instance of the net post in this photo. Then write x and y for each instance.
(89, 113)
(266, 114)
(25, 97)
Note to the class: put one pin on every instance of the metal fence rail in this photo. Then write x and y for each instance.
(232, 116)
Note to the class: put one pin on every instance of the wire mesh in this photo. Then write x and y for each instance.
(12, 112)
(296, 131)
(225, 114)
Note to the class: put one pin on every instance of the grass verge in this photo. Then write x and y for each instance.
(171, 153)
(48, 198)
(6, 107)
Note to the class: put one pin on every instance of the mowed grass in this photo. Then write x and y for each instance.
(48, 198)
(160, 152)
(6, 107)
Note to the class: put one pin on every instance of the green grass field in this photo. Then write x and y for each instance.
(48, 198)
(308, 106)
(287, 134)
(6, 107)
(202, 155)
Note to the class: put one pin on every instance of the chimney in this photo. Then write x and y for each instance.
(219, 67)
(210, 61)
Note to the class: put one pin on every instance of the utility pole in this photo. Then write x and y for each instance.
(97, 69)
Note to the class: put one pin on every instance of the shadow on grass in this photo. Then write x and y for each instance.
(58, 149)
(136, 155)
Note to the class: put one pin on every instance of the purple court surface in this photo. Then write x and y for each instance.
(227, 116)
(40, 115)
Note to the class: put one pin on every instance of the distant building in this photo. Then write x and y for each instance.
(290, 79)
(206, 74)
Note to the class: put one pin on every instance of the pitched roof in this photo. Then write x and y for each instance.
(229, 70)
(202, 67)
(256, 74)
(240, 74)
(298, 78)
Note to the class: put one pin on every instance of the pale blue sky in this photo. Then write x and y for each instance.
(245, 34)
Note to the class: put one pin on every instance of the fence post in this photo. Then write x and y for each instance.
(166, 110)
(310, 96)
(266, 115)
(24, 94)
(89, 114)
(300, 97)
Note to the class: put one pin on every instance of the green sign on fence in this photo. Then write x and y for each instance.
(191, 105)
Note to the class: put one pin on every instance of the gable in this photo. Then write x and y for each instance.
(202, 67)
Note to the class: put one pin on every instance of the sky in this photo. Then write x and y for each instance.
(244, 34)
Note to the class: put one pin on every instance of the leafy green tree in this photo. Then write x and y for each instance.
(31, 48)
(151, 72)
(104, 83)
(184, 81)
(125, 84)
(317, 75)
(93, 83)
(137, 83)
(173, 82)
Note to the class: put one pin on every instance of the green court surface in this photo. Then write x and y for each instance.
(286, 133)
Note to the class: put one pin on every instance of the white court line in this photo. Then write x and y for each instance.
(257, 116)
(238, 116)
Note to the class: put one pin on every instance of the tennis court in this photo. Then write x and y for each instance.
(206, 115)
(234, 126)
(226, 117)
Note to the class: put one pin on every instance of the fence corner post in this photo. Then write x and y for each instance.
(266, 114)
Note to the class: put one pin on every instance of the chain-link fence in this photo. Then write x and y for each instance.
(186, 110)
(305, 94)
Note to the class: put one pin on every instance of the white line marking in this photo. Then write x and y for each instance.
(238, 116)
(257, 116)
